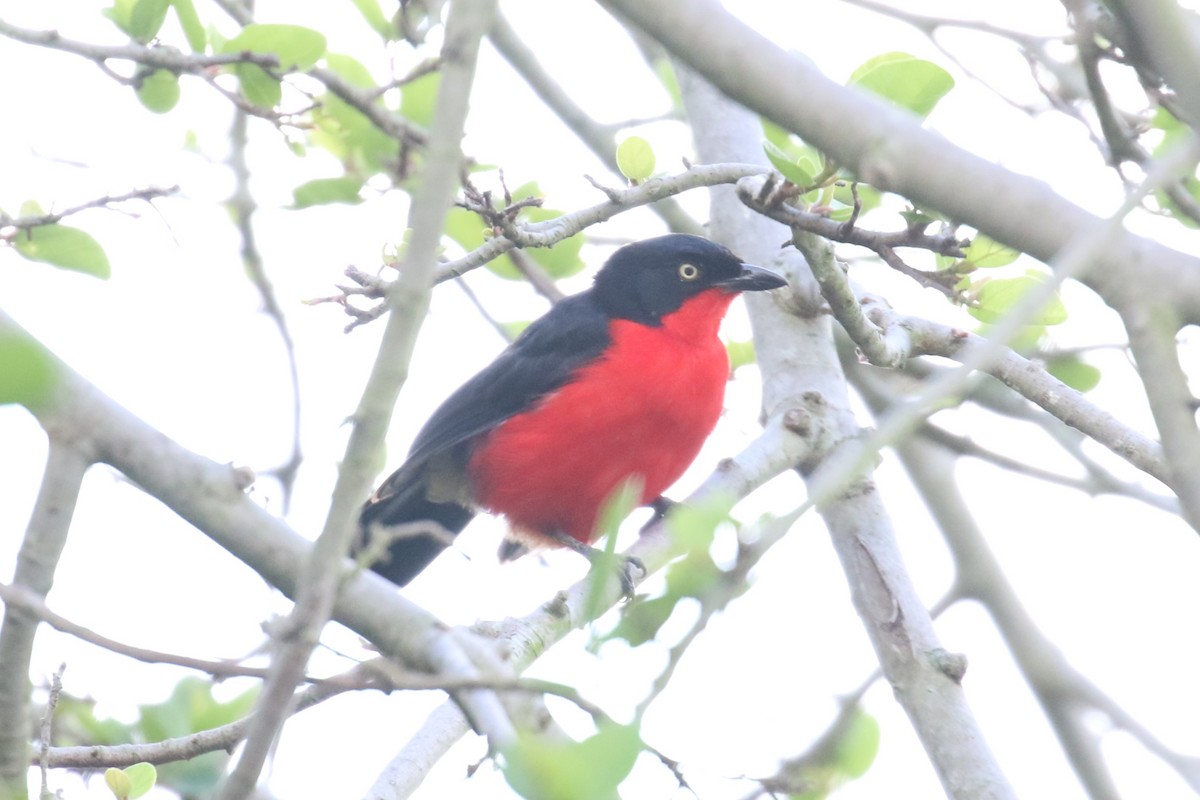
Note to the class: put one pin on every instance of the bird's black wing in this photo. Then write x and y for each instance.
(542, 359)
(573, 333)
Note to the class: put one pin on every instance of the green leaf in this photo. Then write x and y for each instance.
(373, 14)
(795, 170)
(1074, 372)
(987, 253)
(694, 575)
(641, 619)
(322, 191)
(741, 354)
(147, 18)
(65, 247)
(118, 783)
(905, 80)
(350, 69)
(693, 525)
(997, 296)
(193, 28)
(589, 770)
(27, 374)
(296, 47)
(859, 746)
(665, 70)
(635, 159)
(141, 778)
(159, 91)
(121, 13)
(258, 86)
(418, 98)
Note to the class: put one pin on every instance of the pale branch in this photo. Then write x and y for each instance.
(242, 207)
(10, 227)
(1097, 481)
(1160, 37)
(181, 748)
(798, 356)
(18, 597)
(880, 348)
(160, 57)
(1034, 383)
(600, 139)
(768, 195)
(212, 497)
(547, 233)
(366, 102)
(376, 674)
(45, 537)
(1065, 694)
(1151, 328)
(409, 296)
(47, 729)
(889, 149)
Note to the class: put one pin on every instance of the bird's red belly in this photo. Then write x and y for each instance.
(642, 411)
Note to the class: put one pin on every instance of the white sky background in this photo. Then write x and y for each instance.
(176, 336)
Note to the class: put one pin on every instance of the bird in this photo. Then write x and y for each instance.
(621, 382)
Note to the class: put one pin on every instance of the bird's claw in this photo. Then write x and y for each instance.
(631, 571)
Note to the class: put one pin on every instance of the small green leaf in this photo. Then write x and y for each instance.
(159, 91)
(121, 13)
(118, 782)
(859, 746)
(258, 86)
(65, 247)
(996, 297)
(147, 18)
(1074, 372)
(418, 98)
(642, 618)
(322, 191)
(693, 525)
(986, 253)
(350, 69)
(373, 14)
(905, 80)
(193, 28)
(789, 167)
(296, 47)
(635, 159)
(141, 778)
(665, 71)
(694, 575)
(26, 374)
(589, 770)
(741, 354)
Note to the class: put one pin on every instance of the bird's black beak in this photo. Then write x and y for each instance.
(753, 279)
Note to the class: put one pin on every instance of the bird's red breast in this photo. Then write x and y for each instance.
(642, 410)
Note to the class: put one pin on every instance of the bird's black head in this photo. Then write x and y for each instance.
(647, 280)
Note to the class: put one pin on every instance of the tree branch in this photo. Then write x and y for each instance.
(409, 295)
(45, 536)
(889, 149)
(599, 138)
(161, 57)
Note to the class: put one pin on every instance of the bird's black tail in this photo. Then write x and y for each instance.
(416, 529)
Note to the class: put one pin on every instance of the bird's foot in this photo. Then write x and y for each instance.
(630, 569)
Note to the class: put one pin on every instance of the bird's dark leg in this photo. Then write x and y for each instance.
(596, 556)
(661, 506)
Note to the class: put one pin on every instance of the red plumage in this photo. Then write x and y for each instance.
(643, 411)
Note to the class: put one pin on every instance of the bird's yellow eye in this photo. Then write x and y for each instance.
(689, 272)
